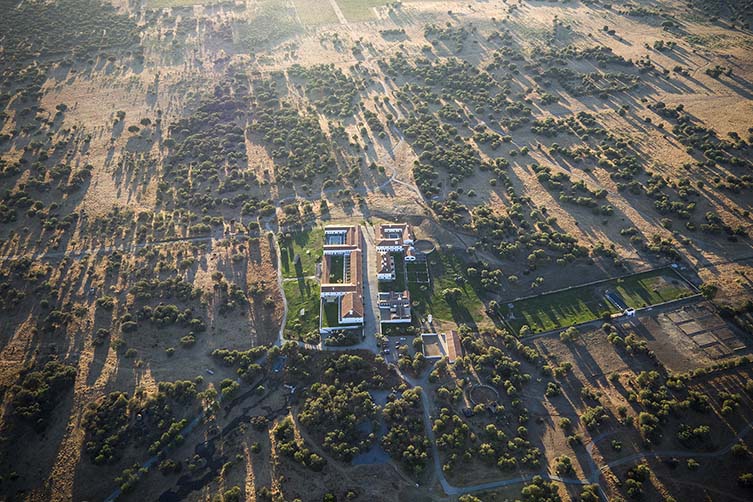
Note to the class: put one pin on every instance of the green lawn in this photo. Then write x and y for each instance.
(651, 288)
(336, 269)
(308, 246)
(399, 283)
(445, 267)
(559, 310)
(301, 294)
(578, 305)
(359, 10)
(330, 312)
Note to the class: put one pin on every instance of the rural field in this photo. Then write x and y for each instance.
(225, 225)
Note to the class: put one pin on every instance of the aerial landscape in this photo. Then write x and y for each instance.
(376, 250)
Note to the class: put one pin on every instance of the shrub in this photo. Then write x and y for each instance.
(34, 398)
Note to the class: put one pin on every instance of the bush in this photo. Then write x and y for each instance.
(169, 466)
(745, 480)
(38, 392)
(106, 302)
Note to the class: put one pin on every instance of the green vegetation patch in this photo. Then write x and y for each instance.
(330, 311)
(315, 12)
(407, 330)
(38, 392)
(399, 283)
(79, 27)
(300, 252)
(301, 294)
(558, 310)
(271, 22)
(587, 303)
(651, 288)
(359, 10)
(417, 272)
(405, 440)
(337, 263)
(450, 296)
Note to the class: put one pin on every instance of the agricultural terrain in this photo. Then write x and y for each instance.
(579, 174)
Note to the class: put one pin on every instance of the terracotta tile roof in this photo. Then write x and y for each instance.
(454, 347)
(386, 263)
(351, 305)
(338, 288)
(394, 234)
(351, 302)
(352, 237)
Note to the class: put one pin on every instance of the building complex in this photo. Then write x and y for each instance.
(342, 303)
(394, 307)
(394, 247)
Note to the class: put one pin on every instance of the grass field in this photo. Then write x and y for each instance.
(445, 268)
(315, 12)
(651, 288)
(308, 246)
(301, 294)
(578, 305)
(330, 312)
(559, 310)
(399, 282)
(359, 10)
